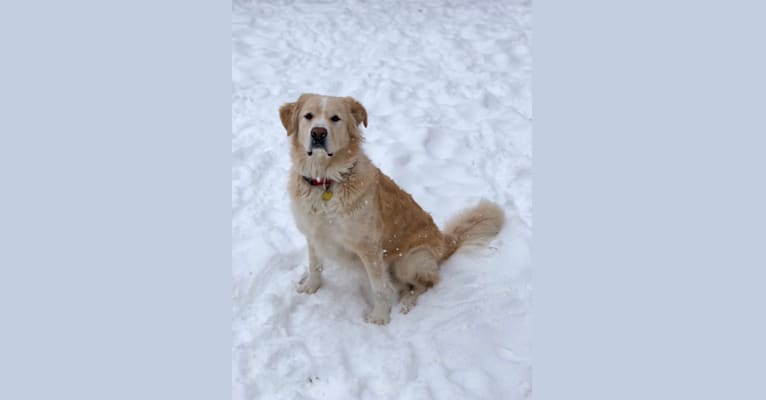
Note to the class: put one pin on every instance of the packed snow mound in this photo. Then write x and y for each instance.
(447, 88)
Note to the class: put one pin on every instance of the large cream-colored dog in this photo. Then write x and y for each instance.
(352, 213)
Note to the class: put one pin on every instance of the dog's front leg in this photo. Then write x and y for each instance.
(383, 292)
(312, 280)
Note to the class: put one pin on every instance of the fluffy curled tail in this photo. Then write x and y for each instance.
(474, 226)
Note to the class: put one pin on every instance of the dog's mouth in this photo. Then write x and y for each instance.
(313, 148)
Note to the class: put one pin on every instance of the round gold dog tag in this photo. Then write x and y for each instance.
(327, 195)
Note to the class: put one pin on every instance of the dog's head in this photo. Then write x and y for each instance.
(323, 126)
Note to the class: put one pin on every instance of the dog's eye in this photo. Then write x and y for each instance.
(335, 118)
(308, 116)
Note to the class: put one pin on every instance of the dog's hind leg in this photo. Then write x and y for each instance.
(419, 270)
(312, 280)
(409, 299)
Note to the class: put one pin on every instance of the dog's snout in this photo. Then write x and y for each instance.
(318, 133)
(319, 139)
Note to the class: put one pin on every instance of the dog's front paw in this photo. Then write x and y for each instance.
(308, 285)
(378, 318)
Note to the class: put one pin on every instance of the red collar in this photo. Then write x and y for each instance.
(318, 181)
(326, 182)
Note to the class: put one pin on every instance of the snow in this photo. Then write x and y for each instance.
(447, 87)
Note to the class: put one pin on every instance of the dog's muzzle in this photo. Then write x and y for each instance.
(318, 140)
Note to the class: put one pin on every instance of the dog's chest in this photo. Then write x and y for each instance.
(330, 228)
(318, 216)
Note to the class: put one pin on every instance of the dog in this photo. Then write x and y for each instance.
(353, 214)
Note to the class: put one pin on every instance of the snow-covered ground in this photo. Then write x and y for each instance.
(447, 85)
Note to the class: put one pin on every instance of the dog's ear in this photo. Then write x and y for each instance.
(287, 115)
(357, 111)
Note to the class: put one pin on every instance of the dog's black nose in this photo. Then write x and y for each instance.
(318, 133)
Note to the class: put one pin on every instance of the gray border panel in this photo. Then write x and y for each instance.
(649, 200)
(114, 219)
